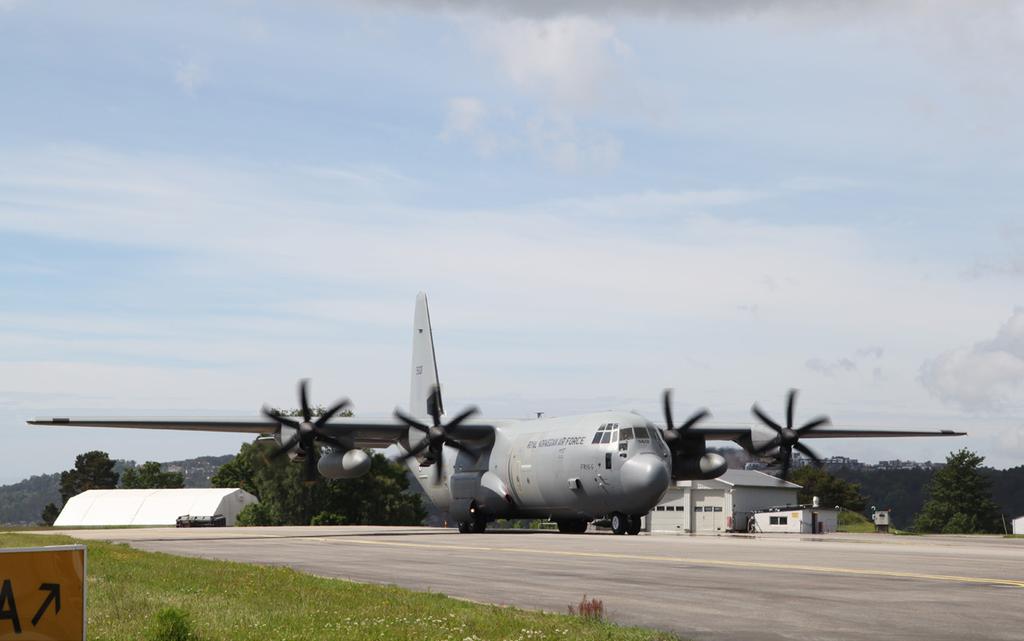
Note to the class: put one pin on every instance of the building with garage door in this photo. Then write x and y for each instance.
(724, 504)
(152, 507)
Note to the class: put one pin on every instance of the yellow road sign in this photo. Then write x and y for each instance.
(42, 593)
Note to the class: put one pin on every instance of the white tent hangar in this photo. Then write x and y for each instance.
(152, 507)
(1018, 525)
(719, 505)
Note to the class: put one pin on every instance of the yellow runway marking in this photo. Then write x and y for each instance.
(713, 562)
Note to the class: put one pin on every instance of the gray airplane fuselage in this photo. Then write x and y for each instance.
(576, 467)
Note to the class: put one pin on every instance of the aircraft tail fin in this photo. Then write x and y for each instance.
(424, 364)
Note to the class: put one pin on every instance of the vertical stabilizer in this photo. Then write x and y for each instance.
(424, 365)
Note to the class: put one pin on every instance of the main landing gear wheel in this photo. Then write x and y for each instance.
(620, 523)
(476, 526)
(573, 526)
(634, 526)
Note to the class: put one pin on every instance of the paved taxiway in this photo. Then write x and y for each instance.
(714, 588)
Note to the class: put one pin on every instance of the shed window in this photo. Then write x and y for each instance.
(778, 520)
(698, 508)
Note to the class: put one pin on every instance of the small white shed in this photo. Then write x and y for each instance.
(800, 519)
(151, 507)
(719, 505)
(1018, 525)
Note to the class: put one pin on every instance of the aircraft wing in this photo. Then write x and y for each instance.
(364, 432)
(741, 433)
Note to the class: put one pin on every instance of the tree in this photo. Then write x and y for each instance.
(50, 513)
(93, 471)
(959, 499)
(148, 475)
(829, 489)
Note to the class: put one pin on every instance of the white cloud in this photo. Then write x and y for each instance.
(986, 376)
(567, 60)
(190, 76)
(465, 120)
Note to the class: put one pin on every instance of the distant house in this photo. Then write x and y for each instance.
(151, 507)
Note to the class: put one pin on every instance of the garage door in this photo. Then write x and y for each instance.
(708, 511)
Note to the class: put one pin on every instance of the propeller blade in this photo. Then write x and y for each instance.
(309, 472)
(304, 400)
(670, 436)
(809, 453)
(333, 442)
(666, 400)
(285, 447)
(775, 442)
(787, 459)
(810, 425)
(434, 405)
(461, 417)
(790, 406)
(438, 464)
(274, 416)
(458, 445)
(698, 416)
(765, 418)
(329, 414)
(410, 421)
(422, 445)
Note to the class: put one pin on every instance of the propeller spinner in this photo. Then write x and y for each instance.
(678, 437)
(305, 433)
(437, 435)
(787, 438)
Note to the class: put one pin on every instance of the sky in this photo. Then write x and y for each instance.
(203, 202)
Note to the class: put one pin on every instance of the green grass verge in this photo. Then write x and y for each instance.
(1013, 536)
(229, 601)
(855, 522)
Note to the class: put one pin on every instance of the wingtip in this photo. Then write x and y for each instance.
(48, 421)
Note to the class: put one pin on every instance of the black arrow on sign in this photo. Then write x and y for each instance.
(54, 595)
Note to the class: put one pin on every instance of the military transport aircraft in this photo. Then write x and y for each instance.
(573, 469)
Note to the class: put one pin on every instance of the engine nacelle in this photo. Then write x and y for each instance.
(344, 465)
(707, 466)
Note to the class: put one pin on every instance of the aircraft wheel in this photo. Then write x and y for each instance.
(574, 526)
(635, 525)
(465, 527)
(479, 526)
(619, 523)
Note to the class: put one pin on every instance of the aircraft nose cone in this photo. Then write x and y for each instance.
(645, 477)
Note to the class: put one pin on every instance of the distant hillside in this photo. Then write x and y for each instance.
(22, 503)
(903, 490)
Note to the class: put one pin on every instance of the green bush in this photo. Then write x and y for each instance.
(256, 514)
(327, 518)
(172, 624)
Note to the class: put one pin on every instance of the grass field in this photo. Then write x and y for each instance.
(229, 601)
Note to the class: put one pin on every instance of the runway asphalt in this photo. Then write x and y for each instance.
(856, 587)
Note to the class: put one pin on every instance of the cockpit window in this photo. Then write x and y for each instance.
(606, 437)
(641, 432)
(626, 434)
